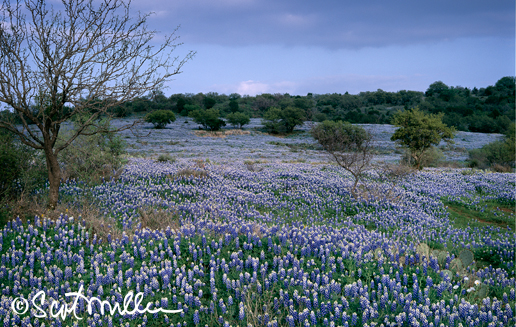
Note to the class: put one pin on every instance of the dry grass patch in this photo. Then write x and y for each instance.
(84, 211)
(190, 172)
(316, 163)
(501, 168)
(252, 167)
(159, 219)
(199, 163)
(221, 134)
(294, 161)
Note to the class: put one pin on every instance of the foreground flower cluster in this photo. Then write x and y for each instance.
(286, 246)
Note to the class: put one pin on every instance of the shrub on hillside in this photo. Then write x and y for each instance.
(285, 120)
(92, 158)
(433, 157)
(209, 119)
(22, 168)
(498, 155)
(188, 108)
(160, 118)
(272, 120)
(238, 119)
(419, 132)
(166, 158)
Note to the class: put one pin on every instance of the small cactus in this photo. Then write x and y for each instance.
(456, 265)
(483, 291)
(442, 258)
(423, 250)
(466, 256)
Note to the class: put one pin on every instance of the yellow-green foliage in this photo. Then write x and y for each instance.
(419, 131)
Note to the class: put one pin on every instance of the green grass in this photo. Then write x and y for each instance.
(493, 214)
(487, 216)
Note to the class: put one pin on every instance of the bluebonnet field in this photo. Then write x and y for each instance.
(179, 140)
(284, 246)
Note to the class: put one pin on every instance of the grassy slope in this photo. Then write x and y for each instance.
(464, 216)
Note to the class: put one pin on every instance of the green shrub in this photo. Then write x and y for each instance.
(433, 157)
(188, 108)
(233, 106)
(9, 169)
(419, 132)
(285, 120)
(208, 118)
(166, 158)
(238, 119)
(495, 153)
(272, 120)
(92, 158)
(499, 155)
(160, 118)
(22, 168)
(122, 110)
(320, 117)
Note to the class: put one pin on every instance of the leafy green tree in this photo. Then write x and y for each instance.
(419, 131)
(348, 145)
(292, 117)
(437, 89)
(208, 118)
(209, 102)
(123, 110)
(506, 87)
(283, 120)
(272, 120)
(140, 105)
(238, 119)
(188, 108)
(180, 105)
(160, 118)
(320, 117)
(233, 106)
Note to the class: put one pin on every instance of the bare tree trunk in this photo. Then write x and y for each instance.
(354, 189)
(417, 159)
(54, 177)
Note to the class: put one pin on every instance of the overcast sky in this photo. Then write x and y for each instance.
(297, 47)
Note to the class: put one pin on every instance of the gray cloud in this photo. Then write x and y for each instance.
(331, 24)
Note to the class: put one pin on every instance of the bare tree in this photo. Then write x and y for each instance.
(80, 61)
(348, 145)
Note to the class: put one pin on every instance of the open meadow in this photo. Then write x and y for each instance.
(249, 229)
(181, 139)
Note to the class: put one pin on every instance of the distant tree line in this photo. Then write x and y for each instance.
(487, 110)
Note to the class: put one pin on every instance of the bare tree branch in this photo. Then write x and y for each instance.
(80, 62)
(349, 146)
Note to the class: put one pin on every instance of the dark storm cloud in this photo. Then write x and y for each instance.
(331, 24)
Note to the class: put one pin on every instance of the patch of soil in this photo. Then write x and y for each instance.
(507, 210)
